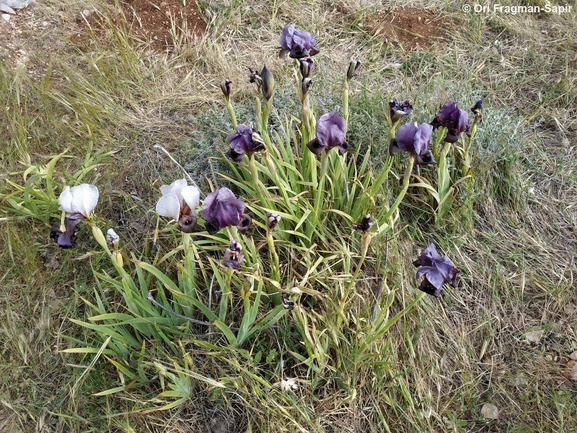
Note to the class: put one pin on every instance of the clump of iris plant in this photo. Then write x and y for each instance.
(79, 203)
(454, 119)
(297, 43)
(398, 110)
(330, 132)
(233, 255)
(436, 271)
(179, 202)
(416, 139)
(222, 209)
(245, 141)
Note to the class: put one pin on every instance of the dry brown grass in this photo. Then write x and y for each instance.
(452, 356)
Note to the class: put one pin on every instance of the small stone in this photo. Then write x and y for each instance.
(534, 336)
(520, 381)
(490, 411)
(6, 17)
(573, 356)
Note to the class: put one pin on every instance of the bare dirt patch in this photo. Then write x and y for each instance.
(412, 27)
(159, 22)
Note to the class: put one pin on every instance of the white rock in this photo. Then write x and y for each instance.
(16, 4)
(6, 17)
(520, 381)
(490, 411)
(534, 336)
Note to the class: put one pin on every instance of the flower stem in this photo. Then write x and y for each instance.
(270, 242)
(346, 103)
(393, 130)
(275, 273)
(395, 205)
(225, 295)
(265, 115)
(260, 190)
(188, 285)
(319, 191)
(440, 136)
(258, 111)
(232, 114)
(366, 240)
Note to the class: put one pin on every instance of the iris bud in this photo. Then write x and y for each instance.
(272, 221)
(225, 87)
(267, 83)
(353, 66)
(306, 85)
(305, 66)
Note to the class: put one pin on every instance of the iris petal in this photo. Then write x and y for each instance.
(297, 42)
(221, 209)
(191, 196)
(168, 206)
(79, 199)
(436, 271)
(331, 129)
(65, 200)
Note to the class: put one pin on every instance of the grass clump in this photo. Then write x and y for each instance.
(356, 353)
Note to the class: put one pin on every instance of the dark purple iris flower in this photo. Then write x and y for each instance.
(244, 141)
(233, 255)
(223, 209)
(287, 303)
(272, 220)
(415, 139)
(330, 133)
(477, 107)
(255, 77)
(454, 119)
(437, 271)
(297, 43)
(66, 238)
(399, 109)
(364, 225)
